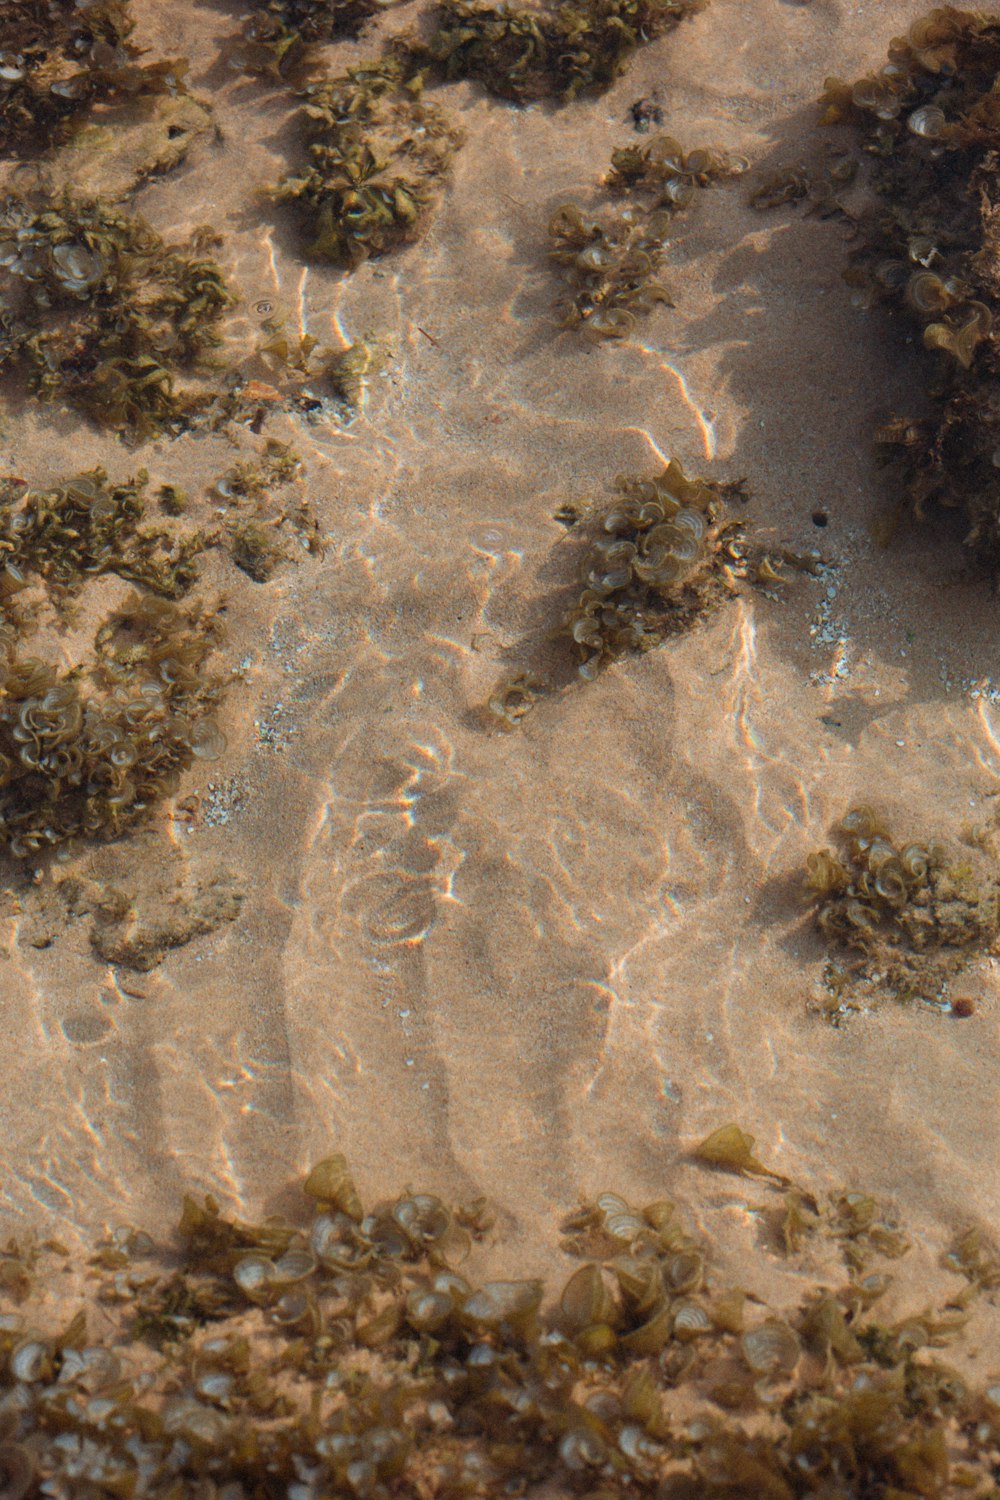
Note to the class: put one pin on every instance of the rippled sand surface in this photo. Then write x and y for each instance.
(537, 963)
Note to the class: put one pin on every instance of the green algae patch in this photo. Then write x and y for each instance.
(916, 913)
(550, 52)
(377, 159)
(103, 314)
(929, 124)
(350, 1344)
(85, 527)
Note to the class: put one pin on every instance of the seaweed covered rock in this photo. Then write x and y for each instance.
(76, 762)
(655, 559)
(610, 262)
(930, 121)
(102, 313)
(59, 57)
(914, 912)
(377, 158)
(350, 1351)
(541, 53)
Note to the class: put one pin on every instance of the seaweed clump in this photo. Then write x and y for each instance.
(523, 54)
(86, 527)
(930, 122)
(377, 157)
(87, 764)
(60, 57)
(352, 1354)
(253, 531)
(279, 35)
(915, 913)
(610, 264)
(104, 314)
(655, 559)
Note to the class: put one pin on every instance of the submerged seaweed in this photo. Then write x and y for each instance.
(916, 913)
(104, 314)
(377, 158)
(352, 1354)
(86, 527)
(278, 35)
(59, 57)
(930, 122)
(610, 262)
(88, 763)
(656, 558)
(555, 52)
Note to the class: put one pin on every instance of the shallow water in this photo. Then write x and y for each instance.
(536, 963)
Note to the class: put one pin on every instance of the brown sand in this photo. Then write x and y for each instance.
(533, 964)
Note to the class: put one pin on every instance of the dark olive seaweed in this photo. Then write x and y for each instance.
(654, 560)
(278, 35)
(915, 912)
(929, 123)
(88, 526)
(551, 52)
(60, 57)
(103, 314)
(377, 155)
(352, 1353)
(87, 762)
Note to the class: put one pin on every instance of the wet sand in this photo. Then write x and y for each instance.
(540, 963)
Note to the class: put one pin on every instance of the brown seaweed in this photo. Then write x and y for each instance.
(928, 122)
(105, 315)
(348, 1350)
(654, 560)
(58, 58)
(915, 912)
(76, 763)
(377, 156)
(555, 52)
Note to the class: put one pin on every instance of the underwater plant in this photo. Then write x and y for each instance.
(102, 313)
(916, 913)
(610, 263)
(350, 1353)
(85, 527)
(76, 763)
(655, 560)
(59, 57)
(930, 124)
(278, 35)
(377, 158)
(554, 52)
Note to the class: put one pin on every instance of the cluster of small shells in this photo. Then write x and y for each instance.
(645, 551)
(930, 124)
(352, 1356)
(915, 894)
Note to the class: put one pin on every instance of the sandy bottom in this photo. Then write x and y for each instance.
(540, 963)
